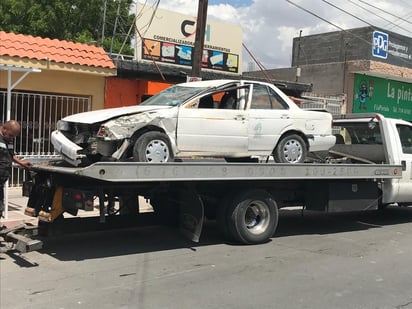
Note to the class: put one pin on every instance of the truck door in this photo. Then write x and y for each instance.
(405, 183)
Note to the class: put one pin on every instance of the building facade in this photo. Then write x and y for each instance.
(370, 67)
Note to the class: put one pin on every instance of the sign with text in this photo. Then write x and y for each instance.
(169, 37)
(390, 98)
(380, 44)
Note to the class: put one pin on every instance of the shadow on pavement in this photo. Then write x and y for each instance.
(101, 244)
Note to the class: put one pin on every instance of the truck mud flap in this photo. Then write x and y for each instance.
(191, 213)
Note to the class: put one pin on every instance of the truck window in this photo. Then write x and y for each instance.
(405, 135)
(361, 133)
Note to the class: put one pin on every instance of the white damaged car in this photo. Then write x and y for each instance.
(232, 119)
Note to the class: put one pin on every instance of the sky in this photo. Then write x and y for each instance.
(269, 26)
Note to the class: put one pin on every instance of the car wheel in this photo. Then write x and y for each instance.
(153, 147)
(290, 149)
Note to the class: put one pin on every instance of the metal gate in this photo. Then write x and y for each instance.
(38, 114)
(333, 104)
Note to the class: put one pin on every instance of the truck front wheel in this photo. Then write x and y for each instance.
(252, 217)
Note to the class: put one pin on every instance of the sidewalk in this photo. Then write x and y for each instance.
(16, 207)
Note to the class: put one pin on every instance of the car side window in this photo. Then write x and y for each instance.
(277, 101)
(206, 102)
(265, 98)
(260, 97)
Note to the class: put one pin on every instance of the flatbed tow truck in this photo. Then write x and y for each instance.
(369, 170)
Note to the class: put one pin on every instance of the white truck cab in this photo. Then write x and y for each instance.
(376, 139)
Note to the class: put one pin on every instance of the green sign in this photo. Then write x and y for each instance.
(390, 98)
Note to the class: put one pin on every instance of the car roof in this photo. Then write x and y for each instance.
(218, 82)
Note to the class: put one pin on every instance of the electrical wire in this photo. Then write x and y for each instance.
(382, 10)
(333, 24)
(327, 21)
(381, 17)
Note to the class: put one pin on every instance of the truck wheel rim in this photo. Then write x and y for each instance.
(157, 151)
(292, 151)
(257, 217)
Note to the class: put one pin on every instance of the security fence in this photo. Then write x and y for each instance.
(332, 104)
(38, 114)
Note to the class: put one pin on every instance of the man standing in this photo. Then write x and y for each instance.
(8, 131)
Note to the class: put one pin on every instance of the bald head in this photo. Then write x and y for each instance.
(10, 129)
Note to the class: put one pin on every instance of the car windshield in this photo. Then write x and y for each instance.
(174, 95)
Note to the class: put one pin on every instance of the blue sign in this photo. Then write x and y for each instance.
(380, 44)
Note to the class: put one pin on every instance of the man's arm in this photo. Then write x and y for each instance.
(25, 164)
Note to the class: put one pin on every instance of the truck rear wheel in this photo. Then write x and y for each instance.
(252, 217)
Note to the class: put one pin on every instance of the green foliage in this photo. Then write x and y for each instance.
(73, 20)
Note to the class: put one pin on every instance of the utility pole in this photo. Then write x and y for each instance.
(297, 58)
(199, 39)
(104, 19)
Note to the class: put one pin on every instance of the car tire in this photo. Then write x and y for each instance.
(290, 149)
(252, 217)
(153, 147)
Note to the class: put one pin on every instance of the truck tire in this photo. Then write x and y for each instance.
(252, 217)
(290, 149)
(153, 147)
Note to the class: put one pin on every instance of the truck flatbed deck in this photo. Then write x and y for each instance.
(211, 171)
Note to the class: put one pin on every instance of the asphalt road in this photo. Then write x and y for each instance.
(361, 260)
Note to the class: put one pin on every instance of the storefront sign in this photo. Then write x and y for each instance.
(169, 37)
(378, 95)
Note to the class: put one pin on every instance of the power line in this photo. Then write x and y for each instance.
(367, 10)
(382, 10)
(327, 21)
(331, 23)
(346, 12)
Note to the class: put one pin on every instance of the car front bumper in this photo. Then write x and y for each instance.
(66, 148)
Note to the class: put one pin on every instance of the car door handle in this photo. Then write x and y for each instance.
(239, 117)
(285, 116)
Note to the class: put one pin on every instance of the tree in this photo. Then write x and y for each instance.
(72, 20)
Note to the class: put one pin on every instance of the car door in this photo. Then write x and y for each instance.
(206, 128)
(405, 183)
(269, 115)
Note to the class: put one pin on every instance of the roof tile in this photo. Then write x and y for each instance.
(27, 46)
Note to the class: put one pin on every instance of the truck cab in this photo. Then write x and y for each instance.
(375, 139)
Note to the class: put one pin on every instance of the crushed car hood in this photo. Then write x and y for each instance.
(106, 114)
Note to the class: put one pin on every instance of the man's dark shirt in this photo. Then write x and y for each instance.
(6, 159)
